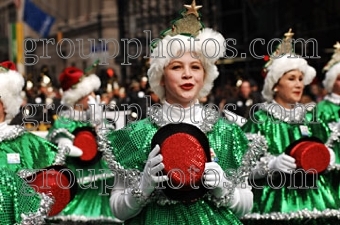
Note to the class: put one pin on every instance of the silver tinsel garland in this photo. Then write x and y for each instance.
(306, 214)
(333, 137)
(13, 133)
(38, 217)
(257, 146)
(57, 132)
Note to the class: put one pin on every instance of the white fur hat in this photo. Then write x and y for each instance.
(76, 85)
(187, 35)
(282, 61)
(332, 68)
(282, 65)
(11, 85)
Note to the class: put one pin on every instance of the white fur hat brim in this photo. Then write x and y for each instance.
(282, 65)
(208, 44)
(11, 85)
(330, 77)
(84, 87)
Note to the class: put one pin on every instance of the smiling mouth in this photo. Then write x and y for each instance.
(187, 86)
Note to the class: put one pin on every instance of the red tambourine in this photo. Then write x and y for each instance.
(185, 150)
(310, 154)
(57, 181)
(85, 138)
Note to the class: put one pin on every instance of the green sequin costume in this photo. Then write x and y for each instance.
(19, 203)
(91, 203)
(328, 111)
(23, 153)
(131, 147)
(23, 150)
(286, 205)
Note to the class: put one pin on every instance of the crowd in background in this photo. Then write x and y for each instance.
(244, 94)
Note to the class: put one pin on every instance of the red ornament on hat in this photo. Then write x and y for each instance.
(9, 65)
(69, 77)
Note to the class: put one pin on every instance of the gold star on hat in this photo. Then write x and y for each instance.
(335, 57)
(289, 34)
(285, 47)
(337, 46)
(189, 23)
(192, 9)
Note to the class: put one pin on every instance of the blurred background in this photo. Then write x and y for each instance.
(126, 20)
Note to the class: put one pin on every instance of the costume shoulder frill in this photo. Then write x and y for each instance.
(131, 147)
(29, 151)
(265, 120)
(280, 203)
(19, 203)
(91, 203)
(328, 111)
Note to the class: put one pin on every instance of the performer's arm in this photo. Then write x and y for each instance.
(125, 201)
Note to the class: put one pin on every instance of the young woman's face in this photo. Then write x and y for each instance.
(183, 79)
(336, 85)
(289, 88)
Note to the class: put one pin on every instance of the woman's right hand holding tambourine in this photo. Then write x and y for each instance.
(153, 166)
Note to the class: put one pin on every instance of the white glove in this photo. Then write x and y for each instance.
(232, 117)
(215, 177)
(150, 179)
(332, 157)
(242, 198)
(74, 151)
(95, 110)
(126, 206)
(282, 162)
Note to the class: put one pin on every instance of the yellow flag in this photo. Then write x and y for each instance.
(20, 42)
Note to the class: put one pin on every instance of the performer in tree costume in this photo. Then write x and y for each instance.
(74, 130)
(19, 203)
(295, 143)
(329, 108)
(23, 152)
(179, 79)
(20, 149)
